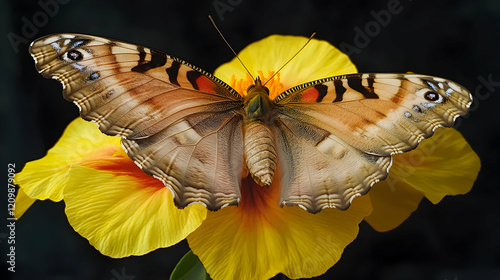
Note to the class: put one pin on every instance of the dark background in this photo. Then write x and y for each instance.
(457, 239)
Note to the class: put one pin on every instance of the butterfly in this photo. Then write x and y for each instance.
(332, 139)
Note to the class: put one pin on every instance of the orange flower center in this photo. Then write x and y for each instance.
(274, 85)
(259, 206)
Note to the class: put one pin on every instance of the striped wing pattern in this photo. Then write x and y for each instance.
(174, 119)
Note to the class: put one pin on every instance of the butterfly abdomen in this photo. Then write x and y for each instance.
(260, 152)
(259, 143)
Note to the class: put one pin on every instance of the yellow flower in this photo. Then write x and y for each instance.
(109, 200)
(123, 212)
(444, 164)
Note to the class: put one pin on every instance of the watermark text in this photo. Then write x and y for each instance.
(11, 220)
(49, 8)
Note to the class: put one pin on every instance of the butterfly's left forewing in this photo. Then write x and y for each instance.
(343, 131)
(176, 120)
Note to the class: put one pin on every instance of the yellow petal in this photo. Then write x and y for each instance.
(258, 239)
(444, 164)
(81, 141)
(126, 213)
(393, 201)
(317, 60)
(23, 202)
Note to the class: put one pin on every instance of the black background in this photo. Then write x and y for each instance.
(459, 40)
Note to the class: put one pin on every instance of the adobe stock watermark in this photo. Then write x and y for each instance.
(49, 9)
(121, 276)
(11, 220)
(223, 6)
(482, 92)
(372, 29)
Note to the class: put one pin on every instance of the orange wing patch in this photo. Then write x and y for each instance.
(205, 84)
(310, 95)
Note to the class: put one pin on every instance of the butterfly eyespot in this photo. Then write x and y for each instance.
(74, 55)
(94, 76)
(417, 109)
(432, 96)
(108, 94)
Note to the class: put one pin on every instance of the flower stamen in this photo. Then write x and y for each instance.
(275, 85)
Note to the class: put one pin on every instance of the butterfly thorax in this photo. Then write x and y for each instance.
(258, 106)
(260, 151)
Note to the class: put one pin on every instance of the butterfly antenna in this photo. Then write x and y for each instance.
(223, 38)
(309, 40)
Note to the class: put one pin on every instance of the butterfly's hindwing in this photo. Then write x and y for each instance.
(151, 99)
(194, 156)
(365, 118)
(323, 171)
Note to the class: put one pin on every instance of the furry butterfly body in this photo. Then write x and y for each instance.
(330, 139)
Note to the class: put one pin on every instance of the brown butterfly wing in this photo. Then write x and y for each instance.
(343, 131)
(175, 119)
